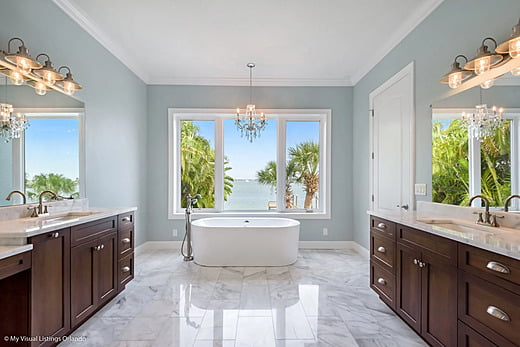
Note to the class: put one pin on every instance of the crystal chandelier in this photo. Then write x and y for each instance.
(250, 124)
(12, 125)
(483, 122)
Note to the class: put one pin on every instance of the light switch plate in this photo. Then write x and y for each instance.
(420, 189)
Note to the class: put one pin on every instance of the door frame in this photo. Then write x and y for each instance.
(407, 70)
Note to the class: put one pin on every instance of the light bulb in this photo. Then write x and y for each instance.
(16, 78)
(455, 80)
(40, 88)
(482, 65)
(487, 84)
(514, 48)
(515, 71)
(49, 78)
(69, 88)
(23, 65)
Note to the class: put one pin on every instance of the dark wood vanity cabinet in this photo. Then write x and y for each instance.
(125, 263)
(50, 285)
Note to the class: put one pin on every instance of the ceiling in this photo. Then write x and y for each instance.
(208, 42)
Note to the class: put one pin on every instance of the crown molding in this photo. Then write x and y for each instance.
(88, 25)
(258, 82)
(404, 30)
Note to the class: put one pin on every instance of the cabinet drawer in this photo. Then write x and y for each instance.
(126, 220)
(382, 227)
(382, 249)
(14, 264)
(90, 231)
(383, 283)
(489, 309)
(470, 338)
(125, 271)
(428, 242)
(126, 242)
(496, 268)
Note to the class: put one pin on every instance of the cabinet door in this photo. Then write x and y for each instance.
(50, 288)
(408, 298)
(470, 338)
(83, 284)
(439, 301)
(106, 268)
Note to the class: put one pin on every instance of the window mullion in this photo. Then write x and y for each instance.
(474, 169)
(219, 164)
(280, 165)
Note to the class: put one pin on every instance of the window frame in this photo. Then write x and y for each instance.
(176, 115)
(18, 147)
(512, 114)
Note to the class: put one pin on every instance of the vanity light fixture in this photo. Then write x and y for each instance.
(68, 84)
(47, 72)
(40, 88)
(485, 59)
(457, 74)
(511, 46)
(22, 59)
(250, 123)
(487, 84)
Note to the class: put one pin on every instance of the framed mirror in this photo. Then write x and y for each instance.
(50, 153)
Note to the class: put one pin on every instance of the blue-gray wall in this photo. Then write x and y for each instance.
(115, 101)
(339, 99)
(455, 27)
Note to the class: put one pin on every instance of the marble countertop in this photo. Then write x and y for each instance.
(503, 240)
(15, 232)
(8, 251)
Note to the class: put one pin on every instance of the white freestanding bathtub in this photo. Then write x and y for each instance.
(245, 241)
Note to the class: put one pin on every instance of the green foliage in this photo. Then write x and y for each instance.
(198, 167)
(450, 164)
(58, 183)
(267, 176)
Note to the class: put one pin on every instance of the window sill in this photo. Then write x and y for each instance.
(294, 215)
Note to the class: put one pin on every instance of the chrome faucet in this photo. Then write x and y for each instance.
(487, 215)
(17, 192)
(40, 200)
(509, 198)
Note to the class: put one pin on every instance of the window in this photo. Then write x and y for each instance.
(463, 167)
(285, 170)
(49, 155)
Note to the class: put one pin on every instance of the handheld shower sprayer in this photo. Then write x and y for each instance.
(190, 201)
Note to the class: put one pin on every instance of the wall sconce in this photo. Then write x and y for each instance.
(47, 72)
(511, 46)
(22, 59)
(457, 74)
(68, 84)
(484, 59)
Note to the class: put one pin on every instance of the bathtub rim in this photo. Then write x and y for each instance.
(294, 223)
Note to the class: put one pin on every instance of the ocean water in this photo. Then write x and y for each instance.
(252, 195)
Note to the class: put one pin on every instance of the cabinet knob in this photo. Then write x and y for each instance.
(421, 264)
(381, 225)
(125, 240)
(98, 248)
(497, 313)
(381, 281)
(494, 266)
(416, 261)
(126, 219)
(381, 249)
(125, 269)
(55, 235)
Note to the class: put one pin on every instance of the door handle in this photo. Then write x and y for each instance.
(405, 207)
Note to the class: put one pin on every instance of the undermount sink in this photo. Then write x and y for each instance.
(67, 216)
(459, 226)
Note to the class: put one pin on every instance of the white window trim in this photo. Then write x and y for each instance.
(512, 114)
(175, 115)
(49, 113)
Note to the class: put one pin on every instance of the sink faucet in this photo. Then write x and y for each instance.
(17, 192)
(509, 198)
(40, 200)
(487, 215)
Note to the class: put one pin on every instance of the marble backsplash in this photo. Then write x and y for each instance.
(22, 211)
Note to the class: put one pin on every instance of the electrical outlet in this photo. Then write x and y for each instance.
(420, 189)
(175, 233)
(325, 232)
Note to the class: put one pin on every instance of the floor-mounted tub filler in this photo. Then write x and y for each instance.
(245, 241)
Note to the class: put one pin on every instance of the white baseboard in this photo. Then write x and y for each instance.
(176, 245)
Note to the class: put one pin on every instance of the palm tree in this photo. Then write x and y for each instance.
(268, 176)
(306, 157)
(55, 182)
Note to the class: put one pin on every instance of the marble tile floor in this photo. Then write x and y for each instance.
(322, 300)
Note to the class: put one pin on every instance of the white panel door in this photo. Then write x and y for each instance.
(392, 143)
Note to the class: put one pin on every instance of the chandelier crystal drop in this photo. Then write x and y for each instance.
(484, 121)
(12, 125)
(250, 123)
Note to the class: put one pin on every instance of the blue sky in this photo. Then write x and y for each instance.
(247, 158)
(51, 146)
